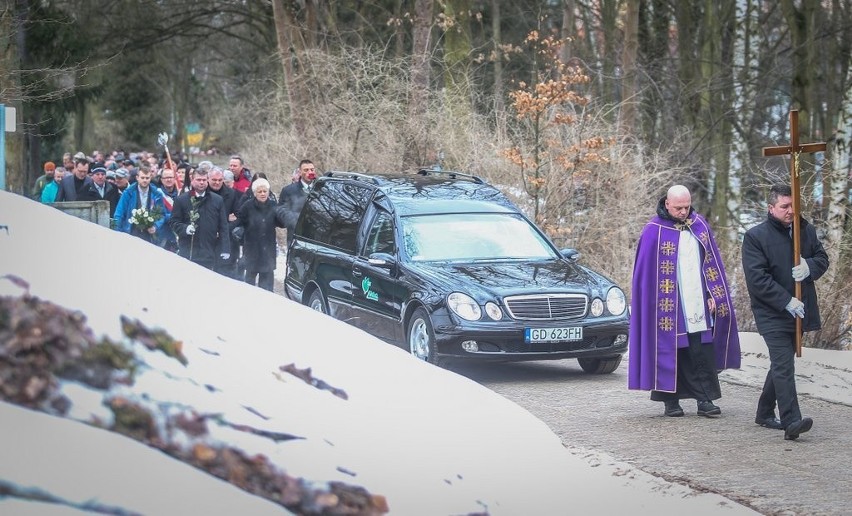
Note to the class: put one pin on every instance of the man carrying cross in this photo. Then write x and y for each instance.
(771, 275)
(782, 257)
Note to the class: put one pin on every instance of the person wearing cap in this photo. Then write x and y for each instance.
(121, 180)
(293, 196)
(100, 189)
(45, 179)
(73, 185)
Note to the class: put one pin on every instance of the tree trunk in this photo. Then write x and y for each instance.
(11, 48)
(289, 52)
(417, 135)
(499, 103)
(629, 96)
(457, 50)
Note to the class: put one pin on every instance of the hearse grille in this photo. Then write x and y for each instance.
(548, 307)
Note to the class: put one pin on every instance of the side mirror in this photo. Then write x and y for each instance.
(383, 260)
(571, 254)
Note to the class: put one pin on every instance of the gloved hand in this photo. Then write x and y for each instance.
(225, 256)
(796, 308)
(190, 230)
(802, 270)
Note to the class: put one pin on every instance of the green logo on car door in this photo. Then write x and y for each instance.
(366, 283)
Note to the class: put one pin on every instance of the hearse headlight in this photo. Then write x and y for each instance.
(616, 302)
(597, 307)
(493, 311)
(464, 306)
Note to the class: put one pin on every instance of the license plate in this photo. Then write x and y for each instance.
(568, 333)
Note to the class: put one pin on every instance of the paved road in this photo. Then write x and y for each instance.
(730, 455)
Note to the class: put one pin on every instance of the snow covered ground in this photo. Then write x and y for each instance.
(429, 441)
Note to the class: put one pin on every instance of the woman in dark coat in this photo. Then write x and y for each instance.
(257, 220)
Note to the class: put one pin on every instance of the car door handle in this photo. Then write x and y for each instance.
(357, 273)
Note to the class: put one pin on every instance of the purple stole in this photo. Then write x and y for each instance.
(657, 325)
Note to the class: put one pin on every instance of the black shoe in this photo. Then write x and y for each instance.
(708, 409)
(673, 409)
(769, 422)
(791, 433)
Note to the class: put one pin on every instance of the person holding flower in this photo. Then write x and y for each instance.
(140, 210)
(200, 222)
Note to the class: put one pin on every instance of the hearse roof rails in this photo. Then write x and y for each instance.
(452, 174)
(359, 176)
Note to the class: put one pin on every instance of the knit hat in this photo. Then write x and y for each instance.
(49, 165)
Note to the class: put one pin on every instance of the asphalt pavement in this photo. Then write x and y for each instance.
(729, 455)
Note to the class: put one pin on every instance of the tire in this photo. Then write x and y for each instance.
(421, 337)
(600, 365)
(317, 302)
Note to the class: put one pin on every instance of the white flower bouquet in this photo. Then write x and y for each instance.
(142, 219)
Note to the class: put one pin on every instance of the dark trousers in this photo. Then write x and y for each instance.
(265, 280)
(696, 373)
(780, 384)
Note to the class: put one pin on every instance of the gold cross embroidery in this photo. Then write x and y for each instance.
(666, 305)
(667, 286)
(712, 274)
(668, 248)
(718, 292)
(666, 324)
(667, 267)
(723, 310)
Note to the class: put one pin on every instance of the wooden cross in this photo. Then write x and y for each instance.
(793, 150)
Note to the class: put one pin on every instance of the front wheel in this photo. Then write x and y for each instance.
(421, 337)
(600, 365)
(317, 302)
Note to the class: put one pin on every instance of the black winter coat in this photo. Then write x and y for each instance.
(111, 194)
(768, 263)
(258, 221)
(70, 189)
(292, 200)
(211, 229)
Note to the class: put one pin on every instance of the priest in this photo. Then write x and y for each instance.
(683, 329)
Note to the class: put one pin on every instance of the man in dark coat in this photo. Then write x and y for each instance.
(72, 185)
(683, 328)
(200, 223)
(293, 196)
(230, 199)
(99, 189)
(767, 256)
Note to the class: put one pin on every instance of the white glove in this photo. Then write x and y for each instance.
(802, 270)
(796, 308)
(225, 256)
(190, 230)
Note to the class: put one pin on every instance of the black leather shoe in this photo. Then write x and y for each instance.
(708, 409)
(791, 433)
(769, 422)
(673, 409)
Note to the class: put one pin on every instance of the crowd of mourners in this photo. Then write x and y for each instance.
(224, 219)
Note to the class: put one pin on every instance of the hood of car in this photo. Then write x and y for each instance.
(505, 278)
